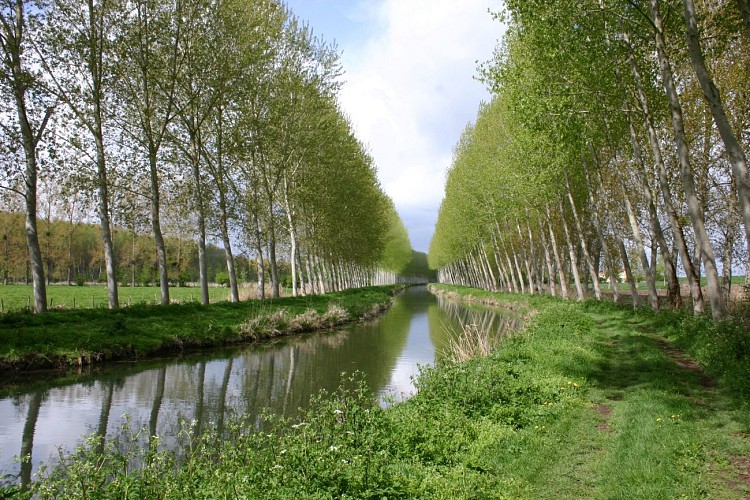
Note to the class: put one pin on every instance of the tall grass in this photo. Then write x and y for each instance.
(471, 342)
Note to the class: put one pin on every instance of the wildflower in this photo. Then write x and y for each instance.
(333, 448)
(337, 411)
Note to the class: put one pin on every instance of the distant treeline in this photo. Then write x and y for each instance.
(72, 253)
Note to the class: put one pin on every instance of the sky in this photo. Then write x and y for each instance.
(409, 87)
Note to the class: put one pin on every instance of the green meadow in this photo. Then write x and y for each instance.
(15, 297)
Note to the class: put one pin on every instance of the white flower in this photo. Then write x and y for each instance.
(333, 448)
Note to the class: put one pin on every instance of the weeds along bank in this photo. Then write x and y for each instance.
(59, 339)
(584, 403)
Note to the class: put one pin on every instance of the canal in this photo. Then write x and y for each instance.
(207, 388)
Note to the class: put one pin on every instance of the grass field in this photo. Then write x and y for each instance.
(16, 297)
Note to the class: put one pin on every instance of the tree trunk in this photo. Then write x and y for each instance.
(32, 236)
(493, 281)
(558, 261)
(584, 247)
(538, 277)
(548, 260)
(734, 151)
(650, 282)
(310, 270)
(718, 307)
(669, 268)
(726, 265)
(319, 272)
(104, 222)
(275, 285)
(608, 261)
(572, 252)
(161, 250)
(511, 271)
(678, 235)
(13, 40)
(132, 269)
(518, 268)
(220, 179)
(292, 236)
(525, 257)
(300, 272)
(502, 270)
(629, 273)
(674, 293)
(234, 289)
(201, 218)
(259, 250)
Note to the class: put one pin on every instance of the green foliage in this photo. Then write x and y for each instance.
(579, 405)
(397, 252)
(222, 278)
(722, 348)
(418, 267)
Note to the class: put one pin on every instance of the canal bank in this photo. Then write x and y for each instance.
(62, 339)
(584, 403)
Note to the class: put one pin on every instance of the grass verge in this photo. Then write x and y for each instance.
(14, 298)
(588, 402)
(65, 338)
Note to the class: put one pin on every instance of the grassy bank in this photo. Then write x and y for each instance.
(63, 338)
(589, 401)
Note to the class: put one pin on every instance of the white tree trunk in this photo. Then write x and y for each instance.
(718, 307)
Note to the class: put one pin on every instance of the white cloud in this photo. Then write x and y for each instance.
(410, 91)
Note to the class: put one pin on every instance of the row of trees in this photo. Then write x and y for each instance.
(213, 118)
(73, 255)
(615, 125)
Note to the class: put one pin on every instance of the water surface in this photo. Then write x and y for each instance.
(208, 387)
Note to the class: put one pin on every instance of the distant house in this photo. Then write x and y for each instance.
(604, 277)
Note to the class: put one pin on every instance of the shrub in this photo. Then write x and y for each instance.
(222, 278)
